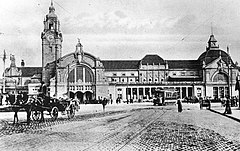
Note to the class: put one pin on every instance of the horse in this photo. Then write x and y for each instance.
(17, 104)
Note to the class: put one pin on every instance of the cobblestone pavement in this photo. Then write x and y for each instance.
(152, 128)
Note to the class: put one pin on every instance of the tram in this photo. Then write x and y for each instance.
(164, 96)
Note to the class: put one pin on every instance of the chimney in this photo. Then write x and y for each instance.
(22, 63)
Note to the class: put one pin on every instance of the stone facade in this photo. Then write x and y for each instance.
(86, 77)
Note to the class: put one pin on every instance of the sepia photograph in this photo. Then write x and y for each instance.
(119, 75)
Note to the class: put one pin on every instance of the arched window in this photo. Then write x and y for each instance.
(51, 25)
(220, 77)
(88, 75)
(79, 76)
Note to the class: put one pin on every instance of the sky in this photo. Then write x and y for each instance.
(121, 29)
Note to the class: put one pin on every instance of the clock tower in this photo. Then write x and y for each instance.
(51, 42)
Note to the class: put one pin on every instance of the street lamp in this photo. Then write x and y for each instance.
(4, 57)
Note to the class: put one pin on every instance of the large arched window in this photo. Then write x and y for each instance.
(81, 74)
(220, 77)
(88, 75)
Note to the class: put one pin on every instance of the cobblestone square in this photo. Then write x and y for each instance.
(137, 128)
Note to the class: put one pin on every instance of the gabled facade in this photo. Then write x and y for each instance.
(219, 71)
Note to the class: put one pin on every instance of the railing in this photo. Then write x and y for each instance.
(80, 87)
(158, 83)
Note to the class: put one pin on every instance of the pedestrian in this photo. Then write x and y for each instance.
(131, 100)
(201, 102)
(179, 104)
(209, 102)
(227, 107)
(104, 103)
(111, 101)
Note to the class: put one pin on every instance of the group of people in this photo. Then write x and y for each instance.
(12, 98)
(129, 101)
(233, 101)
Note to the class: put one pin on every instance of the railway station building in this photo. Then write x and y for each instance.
(86, 77)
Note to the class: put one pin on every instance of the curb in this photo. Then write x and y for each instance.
(233, 118)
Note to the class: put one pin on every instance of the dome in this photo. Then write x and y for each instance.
(152, 59)
(51, 15)
(213, 52)
(210, 55)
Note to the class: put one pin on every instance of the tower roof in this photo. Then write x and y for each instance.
(212, 39)
(51, 8)
(213, 52)
(51, 13)
(152, 59)
(79, 43)
(210, 55)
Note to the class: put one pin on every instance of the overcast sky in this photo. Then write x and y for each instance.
(122, 29)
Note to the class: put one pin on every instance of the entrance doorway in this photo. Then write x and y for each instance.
(89, 97)
(80, 96)
(71, 95)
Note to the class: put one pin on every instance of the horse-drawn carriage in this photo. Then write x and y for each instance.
(36, 104)
(53, 106)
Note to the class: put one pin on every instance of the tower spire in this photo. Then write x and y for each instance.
(211, 29)
(51, 8)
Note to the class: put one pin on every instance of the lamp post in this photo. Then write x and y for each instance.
(56, 77)
(68, 86)
(4, 57)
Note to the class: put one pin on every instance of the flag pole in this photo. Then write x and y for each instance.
(4, 84)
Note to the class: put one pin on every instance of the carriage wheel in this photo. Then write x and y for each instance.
(36, 115)
(54, 113)
(71, 111)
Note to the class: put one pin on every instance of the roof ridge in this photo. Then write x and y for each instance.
(120, 60)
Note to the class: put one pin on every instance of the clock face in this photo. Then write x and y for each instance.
(50, 38)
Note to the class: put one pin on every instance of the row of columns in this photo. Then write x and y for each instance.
(129, 92)
(80, 87)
